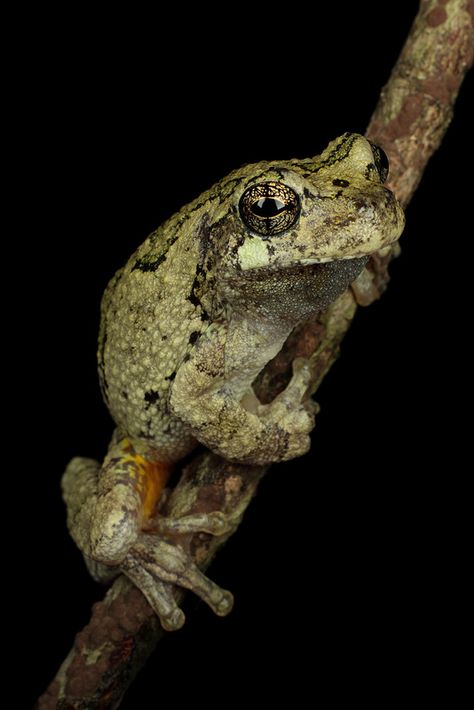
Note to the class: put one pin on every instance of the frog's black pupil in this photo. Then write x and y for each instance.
(268, 207)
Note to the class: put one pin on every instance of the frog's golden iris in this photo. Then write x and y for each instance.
(269, 208)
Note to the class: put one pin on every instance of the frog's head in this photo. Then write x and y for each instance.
(306, 224)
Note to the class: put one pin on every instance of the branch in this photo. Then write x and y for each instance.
(413, 113)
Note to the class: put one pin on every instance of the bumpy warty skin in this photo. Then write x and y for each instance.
(204, 274)
(187, 325)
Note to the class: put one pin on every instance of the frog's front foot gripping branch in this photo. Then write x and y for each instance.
(113, 516)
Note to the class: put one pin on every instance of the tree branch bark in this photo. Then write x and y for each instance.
(409, 122)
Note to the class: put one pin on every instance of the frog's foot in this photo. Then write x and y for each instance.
(154, 565)
(114, 517)
(292, 413)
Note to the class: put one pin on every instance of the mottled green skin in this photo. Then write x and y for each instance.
(187, 325)
(203, 271)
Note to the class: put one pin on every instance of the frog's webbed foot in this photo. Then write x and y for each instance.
(155, 565)
(116, 534)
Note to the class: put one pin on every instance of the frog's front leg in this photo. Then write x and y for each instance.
(113, 518)
(212, 393)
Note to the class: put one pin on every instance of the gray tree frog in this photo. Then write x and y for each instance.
(187, 325)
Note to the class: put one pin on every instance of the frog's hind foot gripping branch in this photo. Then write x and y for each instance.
(153, 559)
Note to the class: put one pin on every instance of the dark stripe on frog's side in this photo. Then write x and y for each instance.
(226, 189)
(199, 279)
(203, 267)
(144, 265)
(151, 261)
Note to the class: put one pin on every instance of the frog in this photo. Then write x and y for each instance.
(189, 323)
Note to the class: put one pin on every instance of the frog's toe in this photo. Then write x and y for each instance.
(158, 594)
(224, 606)
(214, 523)
(154, 565)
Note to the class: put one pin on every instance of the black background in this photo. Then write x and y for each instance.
(341, 567)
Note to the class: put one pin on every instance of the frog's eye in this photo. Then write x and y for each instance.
(269, 208)
(380, 160)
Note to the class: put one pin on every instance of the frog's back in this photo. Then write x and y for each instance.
(148, 320)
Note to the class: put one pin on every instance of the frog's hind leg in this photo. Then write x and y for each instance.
(108, 505)
(79, 487)
(113, 516)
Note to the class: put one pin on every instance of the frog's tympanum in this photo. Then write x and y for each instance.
(187, 325)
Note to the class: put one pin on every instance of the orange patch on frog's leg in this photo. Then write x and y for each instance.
(150, 477)
(153, 479)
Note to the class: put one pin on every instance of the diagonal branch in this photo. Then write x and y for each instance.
(410, 120)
